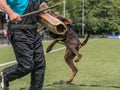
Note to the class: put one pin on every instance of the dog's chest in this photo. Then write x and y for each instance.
(72, 38)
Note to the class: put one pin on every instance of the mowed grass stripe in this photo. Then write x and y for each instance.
(55, 50)
(98, 69)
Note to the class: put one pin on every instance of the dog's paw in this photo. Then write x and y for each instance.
(77, 60)
(48, 50)
(68, 81)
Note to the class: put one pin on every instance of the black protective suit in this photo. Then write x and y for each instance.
(28, 50)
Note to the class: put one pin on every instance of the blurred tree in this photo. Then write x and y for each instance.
(102, 14)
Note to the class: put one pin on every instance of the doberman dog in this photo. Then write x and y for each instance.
(72, 43)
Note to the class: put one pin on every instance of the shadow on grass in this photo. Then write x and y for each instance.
(25, 88)
(62, 85)
(78, 86)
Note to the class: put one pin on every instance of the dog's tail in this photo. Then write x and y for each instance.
(86, 40)
(87, 37)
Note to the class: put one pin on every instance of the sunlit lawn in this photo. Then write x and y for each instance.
(99, 69)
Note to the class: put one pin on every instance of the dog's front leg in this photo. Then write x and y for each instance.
(49, 48)
(41, 29)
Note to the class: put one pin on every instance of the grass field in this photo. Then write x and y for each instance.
(99, 69)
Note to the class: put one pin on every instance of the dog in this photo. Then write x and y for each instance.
(72, 44)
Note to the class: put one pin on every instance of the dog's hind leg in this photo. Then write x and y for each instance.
(74, 71)
(79, 56)
(69, 60)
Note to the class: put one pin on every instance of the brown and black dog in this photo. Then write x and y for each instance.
(72, 43)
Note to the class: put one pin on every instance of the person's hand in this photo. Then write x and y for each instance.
(15, 17)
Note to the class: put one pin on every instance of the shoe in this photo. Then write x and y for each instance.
(3, 83)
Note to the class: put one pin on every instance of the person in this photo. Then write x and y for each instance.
(26, 43)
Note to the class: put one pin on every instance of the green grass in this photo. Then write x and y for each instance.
(99, 69)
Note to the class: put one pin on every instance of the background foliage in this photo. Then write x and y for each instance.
(102, 14)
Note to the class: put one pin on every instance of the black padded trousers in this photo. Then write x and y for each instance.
(29, 54)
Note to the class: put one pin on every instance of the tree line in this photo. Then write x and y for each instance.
(102, 15)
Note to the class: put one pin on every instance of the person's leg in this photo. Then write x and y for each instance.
(37, 76)
(22, 44)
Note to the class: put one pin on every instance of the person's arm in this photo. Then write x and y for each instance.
(13, 16)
